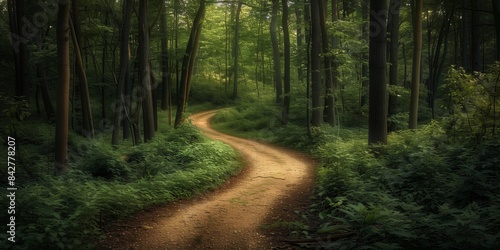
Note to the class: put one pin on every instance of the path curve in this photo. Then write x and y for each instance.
(274, 180)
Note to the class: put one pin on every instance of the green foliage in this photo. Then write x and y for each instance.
(474, 102)
(102, 185)
(426, 190)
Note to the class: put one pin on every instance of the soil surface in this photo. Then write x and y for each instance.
(274, 183)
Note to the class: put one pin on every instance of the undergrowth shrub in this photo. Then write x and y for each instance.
(68, 212)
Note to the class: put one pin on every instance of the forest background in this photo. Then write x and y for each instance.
(397, 100)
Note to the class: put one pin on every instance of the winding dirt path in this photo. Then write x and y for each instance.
(274, 183)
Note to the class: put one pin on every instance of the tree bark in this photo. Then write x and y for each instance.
(166, 98)
(88, 126)
(19, 42)
(188, 63)
(315, 63)
(393, 27)
(235, 49)
(329, 104)
(496, 15)
(377, 115)
(276, 52)
(286, 40)
(417, 51)
(365, 82)
(145, 72)
(63, 78)
(475, 41)
(121, 107)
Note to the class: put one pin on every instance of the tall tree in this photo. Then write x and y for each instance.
(121, 107)
(496, 15)
(286, 40)
(166, 97)
(329, 105)
(88, 126)
(63, 78)
(276, 52)
(365, 82)
(377, 115)
(235, 49)
(316, 64)
(475, 49)
(145, 72)
(188, 63)
(393, 29)
(416, 6)
(19, 43)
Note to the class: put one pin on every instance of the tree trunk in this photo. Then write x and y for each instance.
(121, 107)
(188, 63)
(300, 41)
(144, 72)
(475, 53)
(286, 39)
(365, 82)
(315, 64)
(329, 105)
(393, 27)
(88, 126)
(63, 78)
(276, 52)
(377, 116)
(166, 96)
(464, 40)
(496, 15)
(235, 49)
(19, 40)
(417, 51)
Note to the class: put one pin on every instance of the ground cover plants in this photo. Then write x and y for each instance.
(430, 188)
(103, 184)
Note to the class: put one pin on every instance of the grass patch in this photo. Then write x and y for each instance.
(432, 188)
(104, 184)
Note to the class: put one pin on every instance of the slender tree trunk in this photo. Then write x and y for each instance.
(329, 105)
(377, 115)
(188, 63)
(365, 82)
(286, 40)
(496, 15)
(144, 72)
(300, 41)
(235, 49)
(464, 40)
(315, 63)
(475, 39)
(166, 99)
(393, 27)
(417, 56)
(88, 126)
(276, 52)
(121, 107)
(19, 41)
(63, 78)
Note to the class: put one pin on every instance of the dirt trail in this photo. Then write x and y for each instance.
(272, 185)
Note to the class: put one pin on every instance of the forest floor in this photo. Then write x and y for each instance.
(274, 183)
